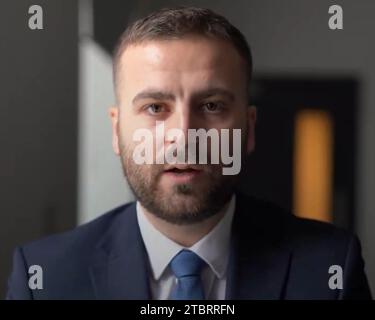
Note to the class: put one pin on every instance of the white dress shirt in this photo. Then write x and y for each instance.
(213, 248)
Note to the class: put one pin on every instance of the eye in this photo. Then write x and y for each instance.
(154, 108)
(212, 107)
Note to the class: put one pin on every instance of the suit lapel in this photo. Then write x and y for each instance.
(258, 264)
(119, 269)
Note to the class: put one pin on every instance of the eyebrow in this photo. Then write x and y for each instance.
(164, 95)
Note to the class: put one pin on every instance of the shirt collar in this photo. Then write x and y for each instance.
(213, 248)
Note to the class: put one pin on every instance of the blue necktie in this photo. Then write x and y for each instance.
(187, 266)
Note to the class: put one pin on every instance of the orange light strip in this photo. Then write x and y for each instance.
(313, 165)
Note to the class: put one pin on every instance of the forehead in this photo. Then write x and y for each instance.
(187, 60)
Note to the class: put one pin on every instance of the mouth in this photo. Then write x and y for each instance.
(182, 169)
(183, 173)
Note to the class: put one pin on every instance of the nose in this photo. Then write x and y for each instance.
(180, 121)
(183, 119)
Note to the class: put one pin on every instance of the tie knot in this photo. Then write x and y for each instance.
(186, 263)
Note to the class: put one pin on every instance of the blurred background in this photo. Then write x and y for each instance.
(314, 88)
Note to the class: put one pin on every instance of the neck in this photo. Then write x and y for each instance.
(185, 235)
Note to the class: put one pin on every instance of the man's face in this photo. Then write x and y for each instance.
(190, 83)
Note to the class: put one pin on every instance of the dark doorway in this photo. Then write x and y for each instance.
(269, 172)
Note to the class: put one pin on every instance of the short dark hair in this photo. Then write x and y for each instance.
(177, 22)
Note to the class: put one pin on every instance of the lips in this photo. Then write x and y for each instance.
(183, 173)
(182, 169)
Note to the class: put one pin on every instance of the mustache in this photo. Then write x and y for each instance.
(156, 169)
(212, 171)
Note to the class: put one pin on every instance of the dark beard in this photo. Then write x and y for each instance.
(182, 205)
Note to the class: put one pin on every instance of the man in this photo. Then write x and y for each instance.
(190, 235)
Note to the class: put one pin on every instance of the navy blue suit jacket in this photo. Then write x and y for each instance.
(273, 255)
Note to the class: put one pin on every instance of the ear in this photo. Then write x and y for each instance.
(251, 121)
(114, 115)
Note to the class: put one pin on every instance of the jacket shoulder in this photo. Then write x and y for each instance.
(272, 219)
(79, 240)
(317, 250)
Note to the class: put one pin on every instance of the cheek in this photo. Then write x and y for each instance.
(126, 128)
(234, 122)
